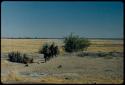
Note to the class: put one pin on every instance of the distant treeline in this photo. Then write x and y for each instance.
(58, 38)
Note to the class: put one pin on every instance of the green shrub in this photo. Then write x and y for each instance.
(74, 43)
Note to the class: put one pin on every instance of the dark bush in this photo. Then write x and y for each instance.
(74, 43)
(43, 49)
(19, 58)
(49, 51)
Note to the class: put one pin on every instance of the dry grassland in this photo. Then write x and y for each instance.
(32, 45)
(78, 70)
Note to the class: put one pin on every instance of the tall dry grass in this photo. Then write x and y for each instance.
(33, 45)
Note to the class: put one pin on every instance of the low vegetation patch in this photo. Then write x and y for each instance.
(100, 54)
(49, 51)
(19, 57)
(74, 43)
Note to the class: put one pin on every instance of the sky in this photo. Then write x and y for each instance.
(51, 19)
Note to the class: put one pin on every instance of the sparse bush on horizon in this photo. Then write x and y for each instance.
(74, 43)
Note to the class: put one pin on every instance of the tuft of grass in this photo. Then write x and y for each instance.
(19, 57)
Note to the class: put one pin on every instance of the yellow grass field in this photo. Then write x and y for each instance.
(33, 45)
(75, 69)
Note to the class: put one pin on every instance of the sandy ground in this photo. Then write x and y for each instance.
(83, 70)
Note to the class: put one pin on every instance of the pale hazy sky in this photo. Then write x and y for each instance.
(58, 19)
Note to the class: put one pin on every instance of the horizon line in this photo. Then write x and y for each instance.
(53, 38)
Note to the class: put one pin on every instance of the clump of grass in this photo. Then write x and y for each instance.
(19, 57)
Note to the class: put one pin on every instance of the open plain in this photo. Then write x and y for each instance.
(74, 69)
